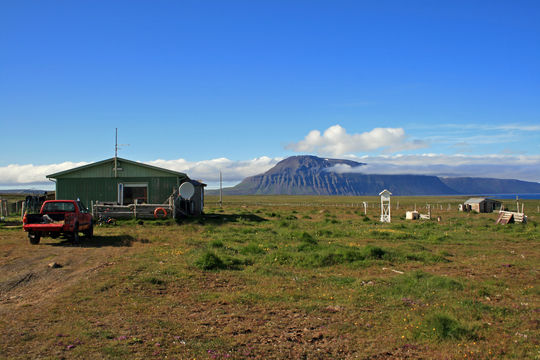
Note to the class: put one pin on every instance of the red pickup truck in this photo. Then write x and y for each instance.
(59, 217)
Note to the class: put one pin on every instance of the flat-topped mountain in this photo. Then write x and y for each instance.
(311, 175)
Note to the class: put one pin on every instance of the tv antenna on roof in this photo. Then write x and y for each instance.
(116, 147)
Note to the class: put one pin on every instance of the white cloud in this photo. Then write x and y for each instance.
(487, 127)
(208, 170)
(335, 141)
(520, 167)
(29, 174)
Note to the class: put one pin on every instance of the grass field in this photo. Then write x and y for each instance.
(269, 277)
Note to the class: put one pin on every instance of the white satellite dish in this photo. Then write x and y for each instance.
(186, 190)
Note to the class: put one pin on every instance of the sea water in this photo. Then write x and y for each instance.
(513, 196)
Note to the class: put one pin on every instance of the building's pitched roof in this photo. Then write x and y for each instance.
(475, 200)
(197, 183)
(479, 200)
(61, 173)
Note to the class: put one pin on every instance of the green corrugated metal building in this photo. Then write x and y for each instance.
(117, 180)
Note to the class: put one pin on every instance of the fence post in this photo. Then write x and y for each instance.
(4, 211)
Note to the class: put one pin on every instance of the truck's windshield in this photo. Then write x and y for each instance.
(59, 207)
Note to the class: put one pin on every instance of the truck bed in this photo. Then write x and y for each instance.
(42, 219)
(50, 227)
(46, 223)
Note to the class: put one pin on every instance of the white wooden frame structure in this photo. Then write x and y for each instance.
(385, 206)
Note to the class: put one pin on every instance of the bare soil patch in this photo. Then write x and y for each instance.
(26, 277)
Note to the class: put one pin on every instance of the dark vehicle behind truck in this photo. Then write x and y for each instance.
(59, 218)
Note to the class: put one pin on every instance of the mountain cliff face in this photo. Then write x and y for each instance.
(311, 175)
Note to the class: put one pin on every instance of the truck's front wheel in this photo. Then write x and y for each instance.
(90, 231)
(75, 235)
(34, 238)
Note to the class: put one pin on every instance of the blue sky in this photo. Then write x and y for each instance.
(237, 85)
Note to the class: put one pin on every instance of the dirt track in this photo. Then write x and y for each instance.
(25, 274)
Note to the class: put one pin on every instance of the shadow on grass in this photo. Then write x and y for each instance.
(98, 241)
(221, 219)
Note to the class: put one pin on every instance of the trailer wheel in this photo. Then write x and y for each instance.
(34, 238)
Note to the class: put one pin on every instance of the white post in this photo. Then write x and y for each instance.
(220, 190)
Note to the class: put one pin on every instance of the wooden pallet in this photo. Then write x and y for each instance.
(505, 217)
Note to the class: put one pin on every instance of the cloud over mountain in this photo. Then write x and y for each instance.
(521, 167)
(336, 141)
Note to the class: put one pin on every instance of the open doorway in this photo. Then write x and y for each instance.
(132, 194)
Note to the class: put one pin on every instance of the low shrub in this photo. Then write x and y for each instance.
(216, 244)
(210, 261)
(441, 326)
(154, 281)
(422, 285)
(252, 249)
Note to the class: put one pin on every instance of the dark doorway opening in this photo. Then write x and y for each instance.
(135, 194)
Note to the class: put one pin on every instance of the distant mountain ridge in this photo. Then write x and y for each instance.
(491, 185)
(25, 192)
(311, 175)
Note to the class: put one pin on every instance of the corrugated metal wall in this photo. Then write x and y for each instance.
(106, 189)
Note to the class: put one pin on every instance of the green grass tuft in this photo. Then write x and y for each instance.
(210, 261)
(441, 327)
